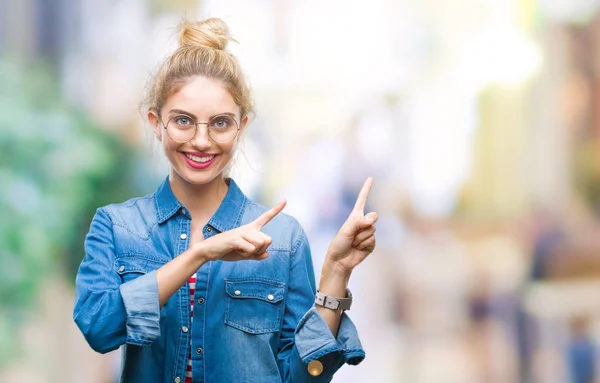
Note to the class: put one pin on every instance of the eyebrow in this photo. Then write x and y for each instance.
(180, 111)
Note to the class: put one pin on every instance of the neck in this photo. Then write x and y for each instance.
(201, 200)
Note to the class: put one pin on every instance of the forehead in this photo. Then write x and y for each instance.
(202, 96)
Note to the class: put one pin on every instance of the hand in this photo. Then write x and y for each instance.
(245, 242)
(356, 238)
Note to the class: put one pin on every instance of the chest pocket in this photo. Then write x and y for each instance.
(131, 266)
(254, 305)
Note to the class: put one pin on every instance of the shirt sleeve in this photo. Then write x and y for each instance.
(305, 336)
(108, 312)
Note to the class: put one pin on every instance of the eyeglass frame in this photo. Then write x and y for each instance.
(237, 126)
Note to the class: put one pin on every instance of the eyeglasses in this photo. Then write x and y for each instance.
(222, 128)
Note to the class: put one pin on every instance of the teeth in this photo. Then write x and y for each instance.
(199, 159)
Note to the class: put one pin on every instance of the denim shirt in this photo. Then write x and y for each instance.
(254, 321)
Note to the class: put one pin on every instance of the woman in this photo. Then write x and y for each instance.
(197, 281)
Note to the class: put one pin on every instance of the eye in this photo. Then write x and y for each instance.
(222, 122)
(183, 121)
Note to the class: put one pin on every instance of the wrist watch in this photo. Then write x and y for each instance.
(334, 303)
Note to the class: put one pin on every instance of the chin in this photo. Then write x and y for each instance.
(195, 177)
(200, 179)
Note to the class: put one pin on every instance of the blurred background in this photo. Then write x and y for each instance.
(478, 120)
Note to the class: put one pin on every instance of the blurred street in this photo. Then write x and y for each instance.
(478, 119)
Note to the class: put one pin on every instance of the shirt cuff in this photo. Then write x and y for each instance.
(314, 339)
(140, 297)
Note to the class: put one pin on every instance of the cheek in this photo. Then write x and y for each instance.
(230, 150)
(169, 146)
(233, 146)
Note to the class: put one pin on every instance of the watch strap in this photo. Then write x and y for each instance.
(334, 303)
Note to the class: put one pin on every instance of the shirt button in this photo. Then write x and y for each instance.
(270, 297)
(177, 380)
(315, 368)
(183, 236)
(199, 351)
(200, 300)
(184, 329)
(209, 229)
(121, 268)
(183, 211)
(237, 292)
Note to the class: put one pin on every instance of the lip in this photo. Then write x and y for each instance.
(197, 165)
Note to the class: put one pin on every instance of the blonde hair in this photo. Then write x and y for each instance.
(202, 52)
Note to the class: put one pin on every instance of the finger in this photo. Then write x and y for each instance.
(372, 217)
(257, 257)
(363, 234)
(367, 245)
(266, 243)
(361, 201)
(244, 248)
(260, 240)
(254, 238)
(356, 224)
(236, 256)
(269, 215)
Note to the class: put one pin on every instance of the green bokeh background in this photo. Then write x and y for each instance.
(56, 168)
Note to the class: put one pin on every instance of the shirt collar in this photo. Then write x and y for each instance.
(166, 202)
(228, 216)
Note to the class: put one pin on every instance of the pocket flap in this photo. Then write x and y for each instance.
(266, 290)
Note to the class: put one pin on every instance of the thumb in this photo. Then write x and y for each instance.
(356, 224)
(371, 217)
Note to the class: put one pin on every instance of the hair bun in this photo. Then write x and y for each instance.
(210, 33)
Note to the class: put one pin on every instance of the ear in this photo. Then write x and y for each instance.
(243, 124)
(155, 123)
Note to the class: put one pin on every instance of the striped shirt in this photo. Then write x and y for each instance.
(192, 282)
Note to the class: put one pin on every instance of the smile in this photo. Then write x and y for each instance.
(201, 160)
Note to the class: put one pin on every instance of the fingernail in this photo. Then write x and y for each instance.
(369, 221)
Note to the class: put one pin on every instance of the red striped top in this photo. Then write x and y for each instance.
(188, 373)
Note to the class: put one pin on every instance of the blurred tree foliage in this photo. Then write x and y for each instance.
(56, 168)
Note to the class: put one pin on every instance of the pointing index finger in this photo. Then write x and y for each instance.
(269, 214)
(361, 201)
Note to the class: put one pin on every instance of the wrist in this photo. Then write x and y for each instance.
(333, 270)
(334, 279)
(334, 303)
(199, 252)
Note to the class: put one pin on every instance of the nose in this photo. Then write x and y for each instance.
(202, 140)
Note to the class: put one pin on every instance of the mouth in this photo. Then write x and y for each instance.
(199, 161)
